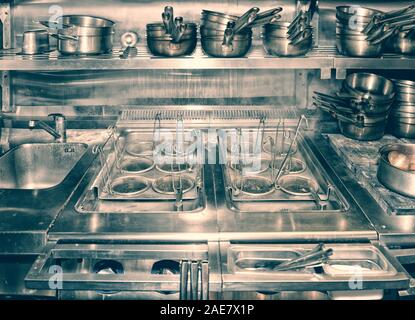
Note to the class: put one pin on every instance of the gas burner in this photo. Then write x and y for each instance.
(164, 185)
(255, 186)
(136, 165)
(129, 185)
(297, 185)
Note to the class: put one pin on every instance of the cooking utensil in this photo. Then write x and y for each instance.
(84, 35)
(235, 27)
(35, 42)
(213, 46)
(166, 47)
(357, 46)
(393, 178)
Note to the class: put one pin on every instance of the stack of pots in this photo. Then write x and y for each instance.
(351, 40)
(279, 41)
(214, 27)
(173, 37)
(292, 38)
(362, 106)
(402, 117)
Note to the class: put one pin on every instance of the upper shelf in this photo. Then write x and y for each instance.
(318, 58)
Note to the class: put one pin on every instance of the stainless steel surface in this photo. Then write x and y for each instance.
(39, 166)
(257, 279)
(135, 267)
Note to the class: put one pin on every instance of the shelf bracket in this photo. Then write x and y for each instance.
(6, 97)
(6, 32)
(301, 93)
(341, 74)
(325, 74)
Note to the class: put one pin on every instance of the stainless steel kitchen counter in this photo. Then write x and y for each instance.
(25, 221)
(392, 229)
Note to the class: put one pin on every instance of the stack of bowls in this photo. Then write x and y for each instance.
(276, 40)
(161, 43)
(350, 38)
(212, 30)
(402, 117)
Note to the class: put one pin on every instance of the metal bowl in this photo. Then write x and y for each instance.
(355, 46)
(213, 46)
(393, 178)
(401, 44)
(206, 32)
(365, 133)
(400, 129)
(283, 47)
(370, 83)
(358, 13)
(166, 48)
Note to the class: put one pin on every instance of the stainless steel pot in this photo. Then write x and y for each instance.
(84, 35)
(362, 133)
(357, 13)
(402, 44)
(370, 83)
(393, 178)
(284, 47)
(165, 47)
(35, 41)
(356, 46)
(213, 46)
(156, 30)
(400, 129)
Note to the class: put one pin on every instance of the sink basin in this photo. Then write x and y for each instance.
(39, 165)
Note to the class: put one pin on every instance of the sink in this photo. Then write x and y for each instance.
(39, 166)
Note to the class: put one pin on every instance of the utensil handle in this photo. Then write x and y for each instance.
(205, 280)
(194, 280)
(184, 275)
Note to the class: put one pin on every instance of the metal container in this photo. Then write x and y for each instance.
(393, 178)
(401, 129)
(85, 35)
(356, 46)
(402, 44)
(284, 47)
(375, 85)
(213, 46)
(363, 133)
(35, 41)
(167, 48)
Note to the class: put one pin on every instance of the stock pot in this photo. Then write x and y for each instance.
(84, 35)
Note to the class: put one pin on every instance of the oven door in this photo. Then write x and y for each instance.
(122, 271)
(353, 271)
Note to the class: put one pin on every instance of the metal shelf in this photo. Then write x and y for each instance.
(323, 58)
(387, 61)
(256, 59)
